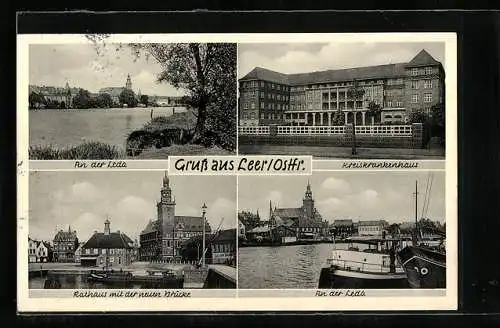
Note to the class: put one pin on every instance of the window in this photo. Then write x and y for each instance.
(262, 84)
(96, 251)
(261, 105)
(428, 70)
(111, 259)
(427, 84)
(262, 116)
(414, 99)
(414, 71)
(427, 97)
(413, 84)
(252, 105)
(261, 94)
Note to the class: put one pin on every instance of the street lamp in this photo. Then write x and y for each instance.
(203, 212)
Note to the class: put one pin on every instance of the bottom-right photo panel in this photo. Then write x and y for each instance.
(342, 230)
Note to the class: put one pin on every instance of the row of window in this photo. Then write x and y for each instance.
(415, 84)
(63, 248)
(426, 71)
(369, 228)
(221, 248)
(394, 104)
(265, 84)
(427, 98)
(96, 251)
(111, 260)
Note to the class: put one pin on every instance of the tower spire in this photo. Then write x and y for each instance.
(128, 84)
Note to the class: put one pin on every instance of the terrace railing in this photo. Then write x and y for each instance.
(366, 130)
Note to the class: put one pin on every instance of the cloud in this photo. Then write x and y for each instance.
(222, 208)
(276, 198)
(84, 192)
(335, 184)
(86, 224)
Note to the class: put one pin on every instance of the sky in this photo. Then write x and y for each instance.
(308, 57)
(346, 195)
(82, 67)
(84, 200)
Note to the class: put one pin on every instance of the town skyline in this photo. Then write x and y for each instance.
(290, 58)
(81, 66)
(360, 196)
(85, 200)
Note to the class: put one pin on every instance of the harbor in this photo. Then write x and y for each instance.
(139, 275)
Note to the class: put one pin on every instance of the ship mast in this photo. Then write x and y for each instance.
(416, 214)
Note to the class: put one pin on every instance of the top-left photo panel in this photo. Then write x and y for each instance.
(103, 99)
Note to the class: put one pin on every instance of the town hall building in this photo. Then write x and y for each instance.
(298, 223)
(162, 239)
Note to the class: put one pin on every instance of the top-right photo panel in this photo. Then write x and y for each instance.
(366, 100)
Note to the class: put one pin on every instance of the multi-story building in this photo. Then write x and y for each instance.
(343, 228)
(114, 92)
(107, 249)
(303, 222)
(374, 228)
(323, 98)
(32, 244)
(58, 95)
(65, 244)
(223, 247)
(162, 239)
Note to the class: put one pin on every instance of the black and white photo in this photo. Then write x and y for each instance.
(337, 230)
(132, 230)
(301, 98)
(103, 100)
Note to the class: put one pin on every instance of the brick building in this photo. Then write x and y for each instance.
(162, 239)
(321, 98)
(107, 249)
(65, 244)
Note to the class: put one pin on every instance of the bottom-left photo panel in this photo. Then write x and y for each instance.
(131, 230)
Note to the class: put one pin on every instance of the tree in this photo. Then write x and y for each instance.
(375, 111)
(82, 99)
(104, 100)
(393, 229)
(207, 71)
(144, 100)
(438, 121)
(354, 92)
(127, 96)
(418, 116)
(36, 99)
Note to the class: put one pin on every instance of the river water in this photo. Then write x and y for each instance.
(63, 128)
(293, 267)
(74, 281)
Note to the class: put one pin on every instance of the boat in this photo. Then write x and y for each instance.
(425, 268)
(425, 260)
(153, 279)
(372, 268)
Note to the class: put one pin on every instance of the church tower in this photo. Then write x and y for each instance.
(166, 215)
(128, 84)
(67, 95)
(308, 202)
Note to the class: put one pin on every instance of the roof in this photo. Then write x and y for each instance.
(342, 222)
(151, 227)
(423, 58)
(288, 212)
(348, 74)
(113, 240)
(304, 222)
(223, 236)
(112, 91)
(65, 235)
(397, 70)
(287, 222)
(372, 223)
(190, 223)
(260, 73)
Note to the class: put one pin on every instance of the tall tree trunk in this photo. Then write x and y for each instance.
(199, 130)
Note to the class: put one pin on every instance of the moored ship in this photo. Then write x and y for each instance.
(372, 268)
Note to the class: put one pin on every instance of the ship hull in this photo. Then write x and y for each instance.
(332, 278)
(424, 268)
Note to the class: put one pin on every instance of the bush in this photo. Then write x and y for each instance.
(87, 150)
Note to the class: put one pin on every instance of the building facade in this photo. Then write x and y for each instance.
(303, 222)
(107, 249)
(322, 99)
(223, 246)
(372, 228)
(343, 228)
(65, 244)
(162, 239)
